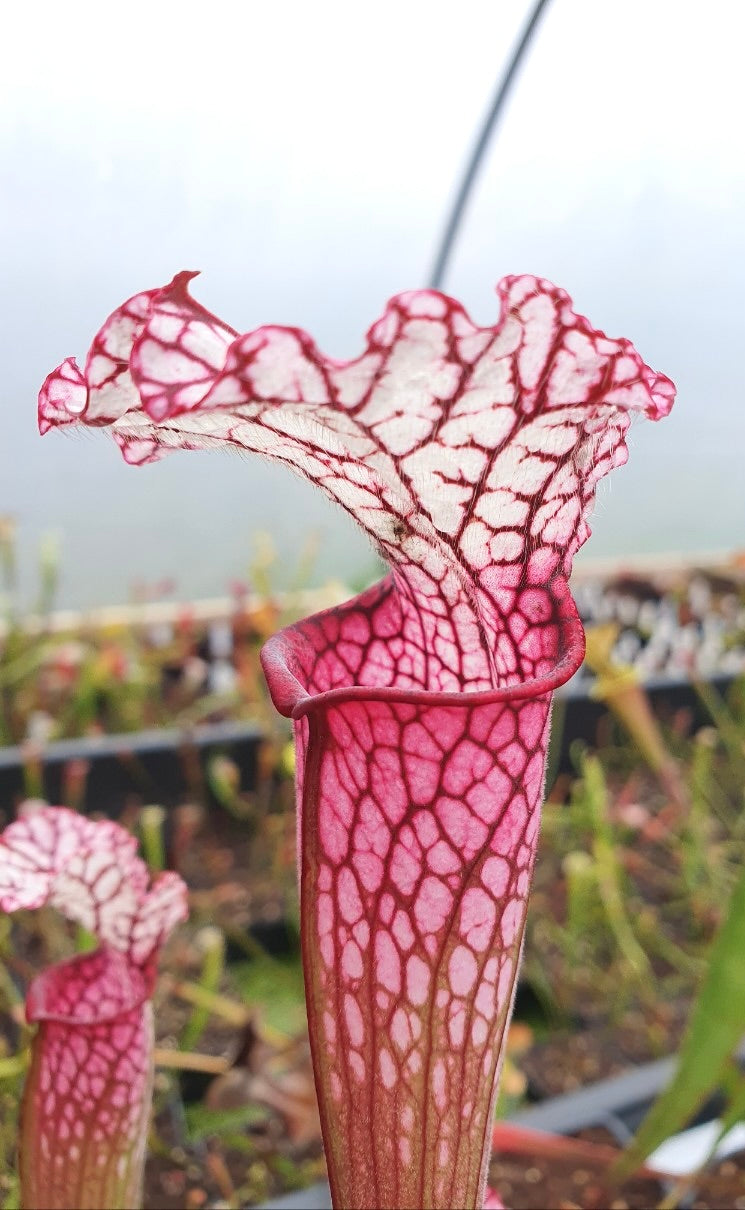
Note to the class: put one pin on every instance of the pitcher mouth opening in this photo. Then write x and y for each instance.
(283, 663)
(120, 985)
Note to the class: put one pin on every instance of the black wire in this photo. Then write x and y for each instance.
(482, 142)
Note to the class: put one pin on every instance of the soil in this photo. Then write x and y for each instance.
(570, 1059)
(211, 1175)
(723, 1187)
(530, 1182)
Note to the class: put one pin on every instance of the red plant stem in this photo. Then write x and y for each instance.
(509, 1139)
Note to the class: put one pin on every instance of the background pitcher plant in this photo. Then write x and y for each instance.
(86, 1105)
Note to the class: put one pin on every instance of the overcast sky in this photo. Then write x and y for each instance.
(304, 156)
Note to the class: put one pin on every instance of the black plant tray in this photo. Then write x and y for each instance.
(577, 715)
(159, 765)
(153, 766)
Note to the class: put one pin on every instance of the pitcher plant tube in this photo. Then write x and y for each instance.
(86, 1104)
(470, 456)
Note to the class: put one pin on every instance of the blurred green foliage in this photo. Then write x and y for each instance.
(637, 914)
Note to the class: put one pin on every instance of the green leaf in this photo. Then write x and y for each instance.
(205, 1123)
(14, 1065)
(276, 989)
(714, 1032)
(734, 1110)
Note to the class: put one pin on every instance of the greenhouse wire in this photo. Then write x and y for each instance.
(479, 150)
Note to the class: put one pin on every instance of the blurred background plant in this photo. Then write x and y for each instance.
(151, 664)
(637, 905)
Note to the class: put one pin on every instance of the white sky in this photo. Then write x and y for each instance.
(303, 155)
